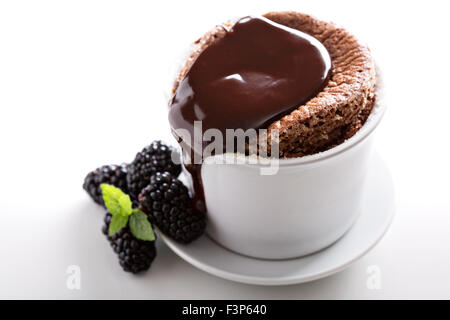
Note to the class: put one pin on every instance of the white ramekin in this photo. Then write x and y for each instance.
(308, 205)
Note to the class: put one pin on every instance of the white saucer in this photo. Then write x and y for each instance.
(376, 216)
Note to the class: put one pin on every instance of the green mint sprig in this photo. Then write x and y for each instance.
(120, 206)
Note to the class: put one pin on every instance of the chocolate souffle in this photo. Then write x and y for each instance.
(335, 108)
(308, 79)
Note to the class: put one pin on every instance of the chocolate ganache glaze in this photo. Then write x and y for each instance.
(257, 73)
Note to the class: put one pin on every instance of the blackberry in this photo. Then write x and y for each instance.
(157, 157)
(167, 203)
(115, 175)
(134, 255)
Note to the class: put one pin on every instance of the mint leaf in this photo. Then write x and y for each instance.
(116, 201)
(125, 204)
(140, 226)
(118, 222)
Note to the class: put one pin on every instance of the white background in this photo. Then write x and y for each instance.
(81, 85)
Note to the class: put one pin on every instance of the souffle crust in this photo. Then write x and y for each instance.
(339, 110)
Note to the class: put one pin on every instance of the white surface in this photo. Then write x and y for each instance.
(80, 87)
(377, 210)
